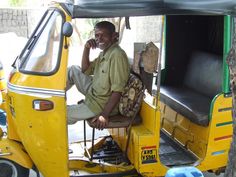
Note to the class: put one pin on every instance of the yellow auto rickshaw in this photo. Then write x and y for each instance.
(185, 114)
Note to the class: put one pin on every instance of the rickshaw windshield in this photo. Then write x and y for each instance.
(41, 53)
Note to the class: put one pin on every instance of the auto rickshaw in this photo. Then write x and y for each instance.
(185, 114)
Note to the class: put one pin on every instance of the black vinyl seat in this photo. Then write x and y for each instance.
(192, 105)
(202, 81)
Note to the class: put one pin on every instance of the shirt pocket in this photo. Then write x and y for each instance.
(102, 81)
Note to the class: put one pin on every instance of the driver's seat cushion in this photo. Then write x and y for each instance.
(118, 121)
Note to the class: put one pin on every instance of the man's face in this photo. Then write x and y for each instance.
(104, 38)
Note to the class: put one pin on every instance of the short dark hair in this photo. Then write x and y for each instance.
(107, 25)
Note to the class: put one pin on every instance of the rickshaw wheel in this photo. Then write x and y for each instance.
(9, 168)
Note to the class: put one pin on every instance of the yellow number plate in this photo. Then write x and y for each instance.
(149, 154)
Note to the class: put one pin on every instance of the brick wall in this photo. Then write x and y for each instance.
(20, 21)
(23, 22)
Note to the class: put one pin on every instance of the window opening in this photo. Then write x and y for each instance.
(42, 52)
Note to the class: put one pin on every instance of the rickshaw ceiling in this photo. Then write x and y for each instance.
(122, 8)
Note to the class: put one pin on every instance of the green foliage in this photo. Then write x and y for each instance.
(16, 3)
(90, 25)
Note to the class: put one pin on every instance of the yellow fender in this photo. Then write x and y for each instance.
(14, 151)
(3, 87)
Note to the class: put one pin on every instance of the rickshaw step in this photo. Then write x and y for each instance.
(172, 153)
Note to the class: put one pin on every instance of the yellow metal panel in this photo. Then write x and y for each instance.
(147, 113)
(168, 117)
(17, 153)
(44, 137)
(3, 86)
(144, 142)
(198, 140)
(43, 81)
(145, 145)
(12, 128)
(43, 133)
(182, 122)
(222, 131)
(187, 133)
(219, 135)
(86, 166)
(209, 143)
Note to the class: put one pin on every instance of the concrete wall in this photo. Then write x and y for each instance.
(20, 21)
(23, 22)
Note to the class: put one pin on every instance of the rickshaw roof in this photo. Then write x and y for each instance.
(125, 8)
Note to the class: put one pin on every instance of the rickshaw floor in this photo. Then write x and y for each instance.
(172, 153)
(110, 152)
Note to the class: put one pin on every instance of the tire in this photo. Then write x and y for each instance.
(9, 168)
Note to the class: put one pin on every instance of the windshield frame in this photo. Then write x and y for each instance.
(30, 45)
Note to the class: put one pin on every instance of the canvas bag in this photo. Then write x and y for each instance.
(131, 98)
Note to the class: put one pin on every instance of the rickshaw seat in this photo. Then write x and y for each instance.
(202, 82)
(192, 105)
(118, 121)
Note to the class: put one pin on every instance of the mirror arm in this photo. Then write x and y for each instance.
(66, 43)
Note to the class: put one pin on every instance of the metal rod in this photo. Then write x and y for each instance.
(85, 134)
(92, 144)
(86, 150)
(5, 154)
(159, 62)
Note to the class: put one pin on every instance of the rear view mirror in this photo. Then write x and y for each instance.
(67, 29)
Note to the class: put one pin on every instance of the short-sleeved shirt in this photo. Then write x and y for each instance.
(110, 74)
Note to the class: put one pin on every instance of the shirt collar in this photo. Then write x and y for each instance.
(104, 55)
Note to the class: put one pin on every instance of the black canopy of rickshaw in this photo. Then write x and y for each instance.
(122, 8)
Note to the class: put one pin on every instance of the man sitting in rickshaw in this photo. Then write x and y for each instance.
(101, 81)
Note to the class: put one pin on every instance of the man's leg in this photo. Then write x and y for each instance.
(79, 79)
(78, 112)
(83, 83)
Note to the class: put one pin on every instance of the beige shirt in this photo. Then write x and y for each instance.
(110, 73)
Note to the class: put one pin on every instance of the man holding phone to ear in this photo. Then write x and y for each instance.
(101, 81)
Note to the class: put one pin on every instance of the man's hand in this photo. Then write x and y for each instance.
(85, 63)
(91, 43)
(100, 122)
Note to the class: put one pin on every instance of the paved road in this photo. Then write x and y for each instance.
(32, 174)
(213, 175)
